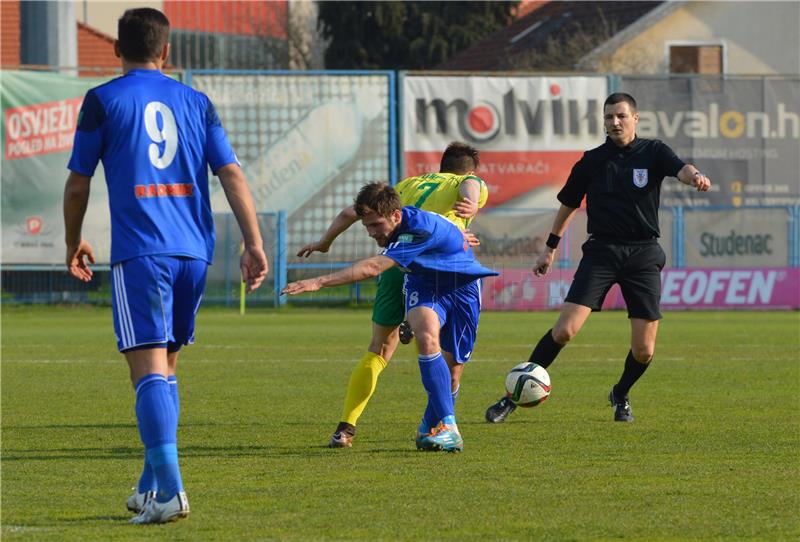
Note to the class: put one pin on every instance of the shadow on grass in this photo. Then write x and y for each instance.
(228, 452)
(131, 425)
(121, 518)
(73, 426)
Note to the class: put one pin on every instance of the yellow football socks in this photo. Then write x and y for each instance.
(363, 381)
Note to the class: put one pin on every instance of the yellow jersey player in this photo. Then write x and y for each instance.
(455, 193)
(439, 193)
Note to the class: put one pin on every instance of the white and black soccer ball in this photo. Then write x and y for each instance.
(528, 384)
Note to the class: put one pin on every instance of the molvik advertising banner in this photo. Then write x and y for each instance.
(40, 112)
(741, 132)
(530, 130)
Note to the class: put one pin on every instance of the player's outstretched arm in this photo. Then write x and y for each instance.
(545, 260)
(363, 269)
(253, 262)
(691, 176)
(346, 218)
(79, 252)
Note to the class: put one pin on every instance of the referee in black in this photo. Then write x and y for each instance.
(621, 180)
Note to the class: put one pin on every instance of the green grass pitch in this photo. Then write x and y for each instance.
(714, 453)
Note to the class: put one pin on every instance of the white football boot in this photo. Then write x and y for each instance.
(157, 512)
(137, 500)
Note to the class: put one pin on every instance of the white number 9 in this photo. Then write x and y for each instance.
(167, 135)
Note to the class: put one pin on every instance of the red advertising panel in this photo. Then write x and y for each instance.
(40, 128)
(692, 288)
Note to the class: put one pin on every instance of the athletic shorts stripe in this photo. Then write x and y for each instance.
(123, 310)
(126, 308)
(163, 314)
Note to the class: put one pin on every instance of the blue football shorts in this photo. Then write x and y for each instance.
(458, 309)
(155, 300)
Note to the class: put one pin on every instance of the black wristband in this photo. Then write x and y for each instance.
(552, 241)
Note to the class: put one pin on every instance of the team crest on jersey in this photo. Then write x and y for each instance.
(640, 178)
(405, 238)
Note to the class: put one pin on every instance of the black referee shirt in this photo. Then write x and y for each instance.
(622, 186)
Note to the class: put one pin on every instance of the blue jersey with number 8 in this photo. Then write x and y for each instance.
(428, 245)
(156, 138)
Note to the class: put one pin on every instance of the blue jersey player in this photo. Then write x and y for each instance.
(156, 138)
(442, 291)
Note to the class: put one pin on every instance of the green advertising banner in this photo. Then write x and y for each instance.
(40, 111)
(307, 144)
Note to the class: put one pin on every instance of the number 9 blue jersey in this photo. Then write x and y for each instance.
(156, 137)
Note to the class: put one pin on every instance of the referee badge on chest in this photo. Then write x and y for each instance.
(640, 178)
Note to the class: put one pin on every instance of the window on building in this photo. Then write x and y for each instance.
(695, 59)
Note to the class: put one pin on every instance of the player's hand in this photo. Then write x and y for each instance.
(466, 208)
(316, 246)
(254, 266)
(544, 262)
(77, 256)
(701, 182)
(470, 238)
(300, 286)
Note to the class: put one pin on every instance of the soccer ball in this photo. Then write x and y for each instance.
(528, 384)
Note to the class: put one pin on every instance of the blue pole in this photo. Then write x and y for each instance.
(281, 274)
(226, 246)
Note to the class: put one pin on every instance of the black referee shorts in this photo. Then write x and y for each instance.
(636, 266)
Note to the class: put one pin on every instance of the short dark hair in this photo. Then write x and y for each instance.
(142, 34)
(619, 97)
(459, 158)
(379, 198)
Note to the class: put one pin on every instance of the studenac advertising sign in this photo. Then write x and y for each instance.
(40, 112)
(737, 238)
(741, 132)
(530, 130)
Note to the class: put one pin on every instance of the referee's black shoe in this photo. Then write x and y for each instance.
(622, 408)
(406, 334)
(498, 412)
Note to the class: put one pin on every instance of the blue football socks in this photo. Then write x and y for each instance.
(147, 481)
(172, 380)
(436, 381)
(158, 425)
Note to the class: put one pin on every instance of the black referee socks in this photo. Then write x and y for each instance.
(546, 350)
(633, 370)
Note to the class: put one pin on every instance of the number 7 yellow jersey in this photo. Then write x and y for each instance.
(437, 193)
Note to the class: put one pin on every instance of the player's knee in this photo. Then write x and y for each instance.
(427, 343)
(563, 334)
(643, 354)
